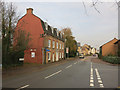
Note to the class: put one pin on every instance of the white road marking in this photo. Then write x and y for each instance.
(91, 84)
(22, 87)
(75, 63)
(101, 85)
(99, 79)
(53, 74)
(91, 77)
(69, 66)
(91, 81)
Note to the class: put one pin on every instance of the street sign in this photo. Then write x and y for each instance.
(47, 50)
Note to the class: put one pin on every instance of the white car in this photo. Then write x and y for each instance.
(81, 56)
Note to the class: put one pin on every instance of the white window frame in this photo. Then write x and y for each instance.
(60, 45)
(32, 54)
(62, 55)
(53, 44)
(49, 43)
(57, 45)
(49, 56)
(52, 29)
(46, 26)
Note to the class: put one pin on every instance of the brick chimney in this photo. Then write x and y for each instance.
(29, 11)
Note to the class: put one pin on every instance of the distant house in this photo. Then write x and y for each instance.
(47, 43)
(108, 48)
(86, 49)
(93, 51)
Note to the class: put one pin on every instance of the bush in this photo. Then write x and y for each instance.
(112, 59)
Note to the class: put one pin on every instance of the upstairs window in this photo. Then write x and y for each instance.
(53, 44)
(57, 45)
(52, 30)
(49, 43)
(60, 45)
(46, 26)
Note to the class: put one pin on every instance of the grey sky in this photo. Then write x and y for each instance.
(92, 28)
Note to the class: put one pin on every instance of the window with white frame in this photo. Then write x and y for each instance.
(32, 54)
(57, 33)
(49, 56)
(62, 46)
(49, 43)
(57, 44)
(46, 26)
(62, 55)
(53, 44)
(52, 29)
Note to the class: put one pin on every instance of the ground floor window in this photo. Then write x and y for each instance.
(49, 54)
(32, 54)
(62, 55)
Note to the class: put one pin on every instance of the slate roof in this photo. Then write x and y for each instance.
(49, 31)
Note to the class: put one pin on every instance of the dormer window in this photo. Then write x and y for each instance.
(52, 29)
(57, 33)
(46, 26)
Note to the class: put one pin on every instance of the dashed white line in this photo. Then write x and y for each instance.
(69, 66)
(53, 74)
(75, 63)
(99, 79)
(22, 87)
(91, 77)
(91, 85)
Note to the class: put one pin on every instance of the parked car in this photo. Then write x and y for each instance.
(94, 54)
(81, 56)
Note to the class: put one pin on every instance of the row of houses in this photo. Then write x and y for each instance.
(46, 44)
(86, 49)
(111, 48)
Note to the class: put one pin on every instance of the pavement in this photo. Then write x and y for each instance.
(74, 73)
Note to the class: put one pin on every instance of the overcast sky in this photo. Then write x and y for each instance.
(88, 26)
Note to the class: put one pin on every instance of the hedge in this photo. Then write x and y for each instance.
(111, 59)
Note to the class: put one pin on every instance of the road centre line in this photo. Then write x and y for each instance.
(91, 77)
(99, 79)
(69, 66)
(75, 63)
(53, 74)
(22, 87)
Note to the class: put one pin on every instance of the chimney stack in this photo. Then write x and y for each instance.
(29, 11)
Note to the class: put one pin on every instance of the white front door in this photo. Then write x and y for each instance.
(53, 57)
(57, 56)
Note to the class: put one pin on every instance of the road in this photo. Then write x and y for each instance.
(79, 73)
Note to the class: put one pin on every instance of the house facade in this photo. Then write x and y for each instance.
(117, 47)
(46, 44)
(108, 48)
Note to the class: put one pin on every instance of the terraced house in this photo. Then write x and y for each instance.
(46, 44)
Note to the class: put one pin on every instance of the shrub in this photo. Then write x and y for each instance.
(112, 59)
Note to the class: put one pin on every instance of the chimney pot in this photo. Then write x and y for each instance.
(29, 11)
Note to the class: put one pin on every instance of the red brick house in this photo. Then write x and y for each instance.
(109, 48)
(46, 44)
